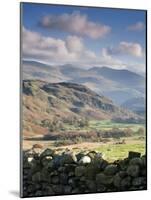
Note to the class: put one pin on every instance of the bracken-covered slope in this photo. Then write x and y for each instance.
(42, 100)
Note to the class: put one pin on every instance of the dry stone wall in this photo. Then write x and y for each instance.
(50, 173)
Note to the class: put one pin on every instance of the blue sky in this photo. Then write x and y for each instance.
(118, 36)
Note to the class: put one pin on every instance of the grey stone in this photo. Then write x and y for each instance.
(122, 174)
(133, 170)
(117, 180)
(101, 178)
(133, 154)
(126, 182)
(91, 185)
(68, 158)
(47, 152)
(63, 178)
(111, 169)
(139, 181)
(79, 171)
(55, 179)
(136, 161)
(36, 177)
(67, 189)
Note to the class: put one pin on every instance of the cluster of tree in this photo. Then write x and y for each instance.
(130, 120)
(76, 121)
(56, 124)
(114, 133)
(52, 125)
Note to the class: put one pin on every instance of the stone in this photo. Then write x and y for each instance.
(125, 183)
(139, 181)
(102, 179)
(75, 191)
(39, 193)
(63, 178)
(85, 160)
(117, 180)
(46, 160)
(122, 174)
(58, 189)
(101, 188)
(62, 173)
(103, 164)
(54, 179)
(80, 155)
(30, 159)
(36, 177)
(67, 189)
(111, 169)
(144, 172)
(144, 160)
(72, 182)
(45, 175)
(91, 170)
(133, 154)
(68, 158)
(123, 164)
(136, 161)
(47, 152)
(133, 170)
(91, 185)
(79, 171)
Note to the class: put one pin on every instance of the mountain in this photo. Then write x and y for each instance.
(119, 85)
(43, 100)
(136, 105)
(36, 70)
(121, 76)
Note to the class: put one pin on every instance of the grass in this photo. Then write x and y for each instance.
(108, 124)
(104, 125)
(110, 150)
(113, 152)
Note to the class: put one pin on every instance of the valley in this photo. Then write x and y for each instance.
(71, 116)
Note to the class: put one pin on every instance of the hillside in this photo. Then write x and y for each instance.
(136, 105)
(119, 85)
(60, 101)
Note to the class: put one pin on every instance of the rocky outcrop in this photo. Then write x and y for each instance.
(51, 173)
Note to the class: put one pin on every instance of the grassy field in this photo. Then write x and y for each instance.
(108, 124)
(104, 125)
(113, 152)
(111, 149)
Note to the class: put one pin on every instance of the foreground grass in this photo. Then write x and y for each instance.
(113, 152)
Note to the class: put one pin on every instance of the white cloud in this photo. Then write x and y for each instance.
(139, 26)
(48, 49)
(126, 48)
(75, 23)
(71, 50)
(74, 44)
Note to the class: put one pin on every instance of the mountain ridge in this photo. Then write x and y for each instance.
(119, 85)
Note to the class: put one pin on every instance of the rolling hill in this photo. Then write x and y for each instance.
(59, 101)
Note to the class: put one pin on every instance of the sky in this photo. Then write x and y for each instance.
(84, 36)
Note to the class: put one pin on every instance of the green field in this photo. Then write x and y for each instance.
(113, 152)
(111, 148)
(103, 125)
(108, 124)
